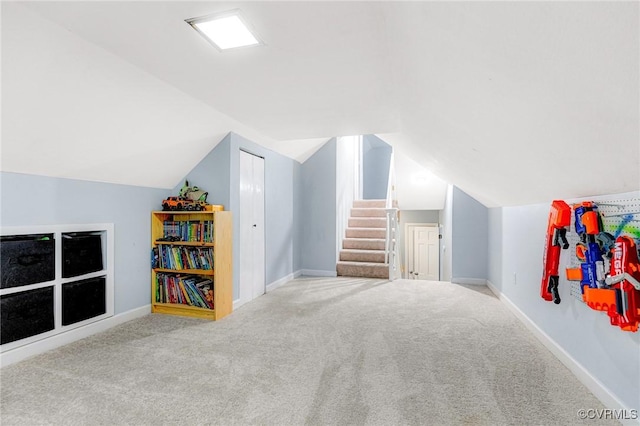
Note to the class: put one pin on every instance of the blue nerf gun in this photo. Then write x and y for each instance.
(588, 226)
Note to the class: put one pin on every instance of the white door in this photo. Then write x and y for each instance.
(424, 253)
(251, 222)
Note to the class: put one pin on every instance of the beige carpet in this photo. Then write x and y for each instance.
(315, 351)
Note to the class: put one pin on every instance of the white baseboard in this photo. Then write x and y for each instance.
(38, 347)
(582, 374)
(471, 281)
(318, 273)
(270, 287)
(283, 280)
(237, 303)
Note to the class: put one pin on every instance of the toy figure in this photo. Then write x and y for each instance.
(193, 192)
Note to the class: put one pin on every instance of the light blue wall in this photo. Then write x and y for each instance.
(37, 200)
(212, 174)
(219, 174)
(470, 235)
(279, 225)
(376, 155)
(298, 219)
(319, 209)
(516, 247)
(494, 247)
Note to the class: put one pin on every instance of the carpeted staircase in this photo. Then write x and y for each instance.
(362, 253)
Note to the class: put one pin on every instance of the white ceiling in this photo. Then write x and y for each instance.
(514, 102)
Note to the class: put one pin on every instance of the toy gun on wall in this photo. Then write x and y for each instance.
(588, 226)
(620, 298)
(559, 220)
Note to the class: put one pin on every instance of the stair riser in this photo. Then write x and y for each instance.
(381, 271)
(363, 244)
(366, 233)
(368, 213)
(367, 223)
(376, 257)
(369, 203)
(364, 256)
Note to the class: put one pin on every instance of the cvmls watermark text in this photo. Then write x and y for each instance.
(607, 414)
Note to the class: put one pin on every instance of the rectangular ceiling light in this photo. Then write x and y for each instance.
(225, 31)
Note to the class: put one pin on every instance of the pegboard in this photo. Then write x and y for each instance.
(619, 217)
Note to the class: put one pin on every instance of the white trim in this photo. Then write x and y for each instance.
(318, 273)
(36, 348)
(600, 391)
(471, 281)
(284, 280)
(278, 283)
(52, 229)
(237, 303)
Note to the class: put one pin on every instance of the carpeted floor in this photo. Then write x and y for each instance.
(315, 351)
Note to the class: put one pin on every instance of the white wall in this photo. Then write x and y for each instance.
(71, 109)
(416, 187)
(446, 222)
(347, 157)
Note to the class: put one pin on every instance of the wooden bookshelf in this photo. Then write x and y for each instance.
(220, 272)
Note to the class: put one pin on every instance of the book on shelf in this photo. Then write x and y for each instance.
(206, 288)
(191, 290)
(155, 257)
(189, 230)
(185, 257)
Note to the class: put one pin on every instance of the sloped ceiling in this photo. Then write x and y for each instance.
(513, 102)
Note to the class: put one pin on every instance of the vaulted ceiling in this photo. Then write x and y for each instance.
(514, 102)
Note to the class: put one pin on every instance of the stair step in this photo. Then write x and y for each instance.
(373, 203)
(368, 212)
(374, 256)
(367, 222)
(369, 203)
(375, 233)
(362, 269)
(363, 243)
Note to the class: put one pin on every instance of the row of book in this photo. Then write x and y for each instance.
(189, 290)
(185, 257)
(189, 230)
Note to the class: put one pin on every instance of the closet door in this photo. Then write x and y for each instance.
(252, 231)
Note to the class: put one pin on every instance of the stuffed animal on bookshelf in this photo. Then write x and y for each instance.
(193, 192)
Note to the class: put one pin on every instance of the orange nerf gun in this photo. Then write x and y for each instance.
(559, 220)
(621, 299)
